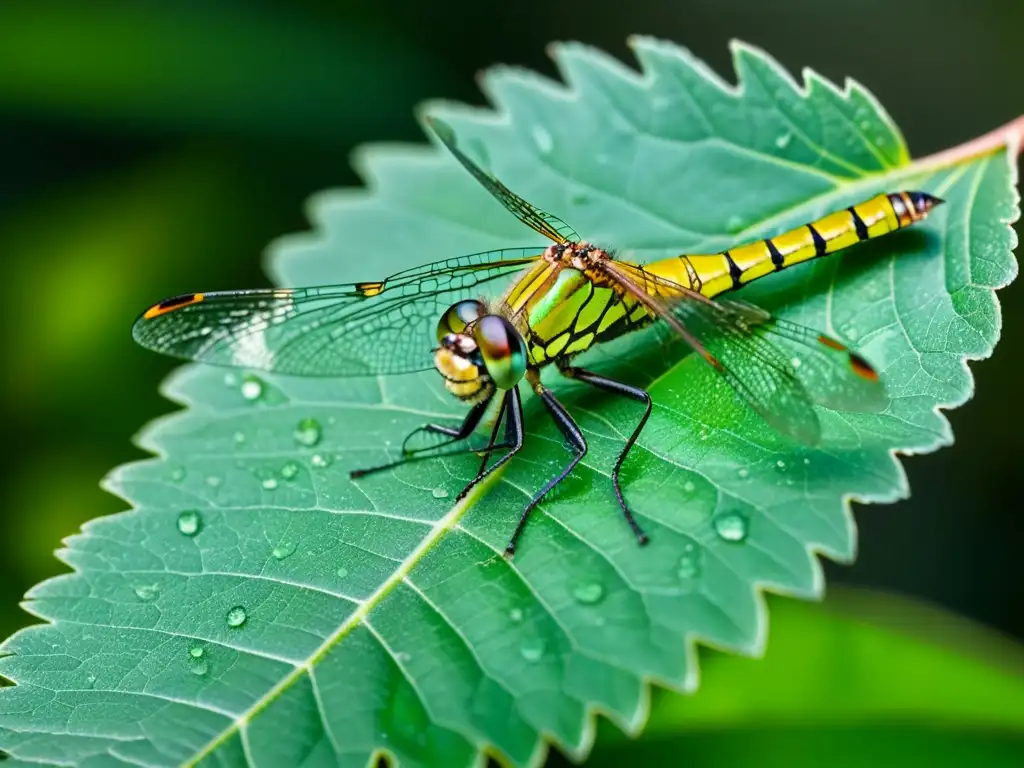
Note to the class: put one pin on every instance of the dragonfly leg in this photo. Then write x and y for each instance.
(634, 393)
(577, 442)
(456, 434)
(512, 411)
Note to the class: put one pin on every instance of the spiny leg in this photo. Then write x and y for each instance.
(577, 443)
(634, 393)
(512, 411)
(456, 434)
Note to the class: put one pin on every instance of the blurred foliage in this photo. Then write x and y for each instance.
(148, 148)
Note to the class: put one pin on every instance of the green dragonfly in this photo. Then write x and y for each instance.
(566, 298)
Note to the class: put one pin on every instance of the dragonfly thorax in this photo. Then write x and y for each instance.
(478, 352)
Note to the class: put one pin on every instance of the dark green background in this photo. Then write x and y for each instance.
(150, 148)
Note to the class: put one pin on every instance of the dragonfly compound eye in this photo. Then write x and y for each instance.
(458, 316)
(502, 348)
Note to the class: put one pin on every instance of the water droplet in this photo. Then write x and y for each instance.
(516, 614)
(342, 572)
(269, 483)
(734, 223)
(806, 461)
(196, 651)
(91, 680)
(308, 432)
(189, 522)
(401, 657)
(532, 648)
(147, 592)
(796, 362)
(290, 470)
(239, 438)
(590, 593)
(439, 493)
(731, 526)
(543, 139)
(783, 140)
(177, 474)
(689, 562)
(689, 487)
(320, 460)
(879, 141)
(252, 387)
(236, 617)
(199, 668)
(780, 464)
(865, 124)
(284, 549)
(703, 434)
(230, 380)
(743, 472)
(213, 481)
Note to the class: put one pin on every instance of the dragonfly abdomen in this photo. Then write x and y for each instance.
(712, 274)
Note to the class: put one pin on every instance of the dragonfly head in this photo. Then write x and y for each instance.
(478, 352)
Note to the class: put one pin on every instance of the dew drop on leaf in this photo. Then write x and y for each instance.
(589, 593)
(782, 141)
(689, 562)
(252, 387)
(439, 493)
(269, 483)
(516, 614)
(199, 668)
(308, 432)
(402, 657)
(689, 487)
(189, 522)
(743, 472)
(213, 481)
(91, 680)
(780, 464)
(230, 380)
(543, 139)
(239, 438)
(734, 223)
(342, 572)
(532, 648)
(196, 650)
(320, 460)
(731, 526)
(284, 549)
(290, 470)
(147, 593)
(177, 474)
(236, 617)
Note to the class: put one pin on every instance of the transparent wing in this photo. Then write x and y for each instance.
(353, 329)
(540, 221)
(778, 367)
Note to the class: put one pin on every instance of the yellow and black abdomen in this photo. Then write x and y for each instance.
(712, 274)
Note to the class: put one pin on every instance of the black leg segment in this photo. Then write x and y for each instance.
(634, 393)
(456, 434)
(577, 444)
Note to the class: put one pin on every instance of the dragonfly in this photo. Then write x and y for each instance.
(565, 298)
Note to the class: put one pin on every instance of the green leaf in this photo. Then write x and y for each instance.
(256, 604)
(864, 677)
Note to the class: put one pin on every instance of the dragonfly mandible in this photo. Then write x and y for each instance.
(568, 297)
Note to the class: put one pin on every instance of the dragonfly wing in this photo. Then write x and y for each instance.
(778, 367)
(540, 221)
(353, 329)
